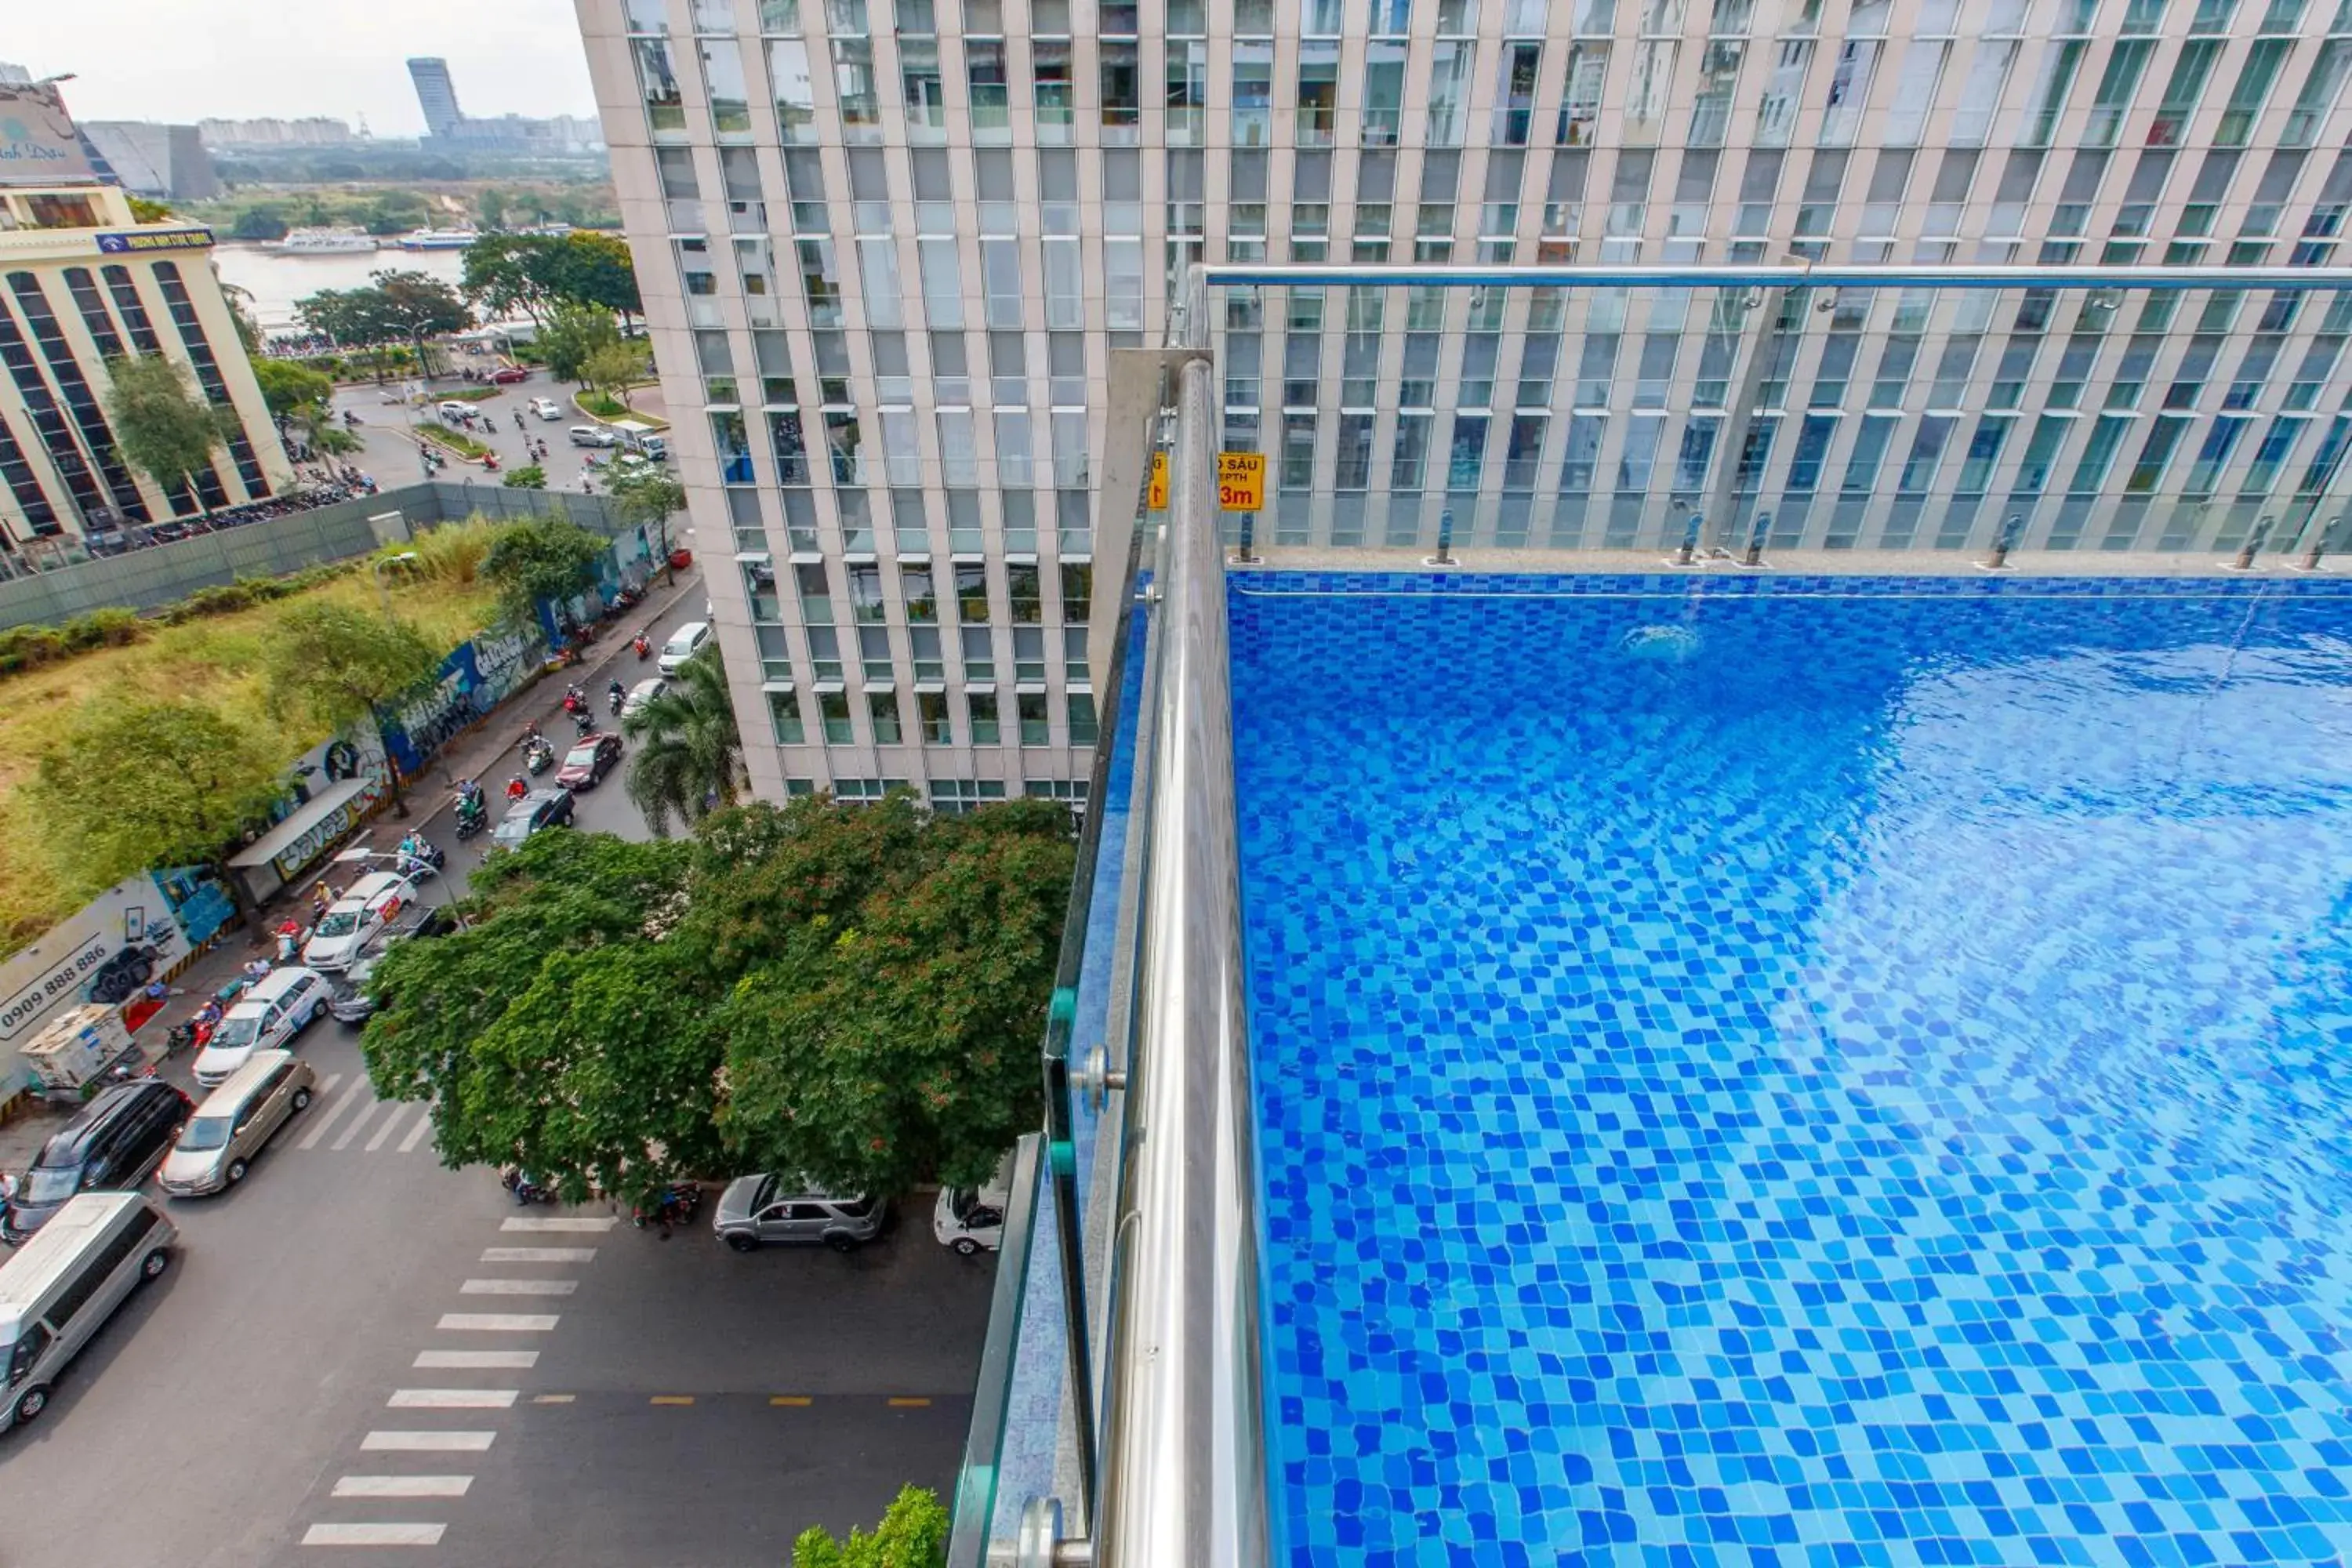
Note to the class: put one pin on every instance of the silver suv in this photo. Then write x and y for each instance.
(756, 1210)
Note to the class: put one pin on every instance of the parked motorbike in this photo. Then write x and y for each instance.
(672, 1208)
(537, 754)
(525, 1190)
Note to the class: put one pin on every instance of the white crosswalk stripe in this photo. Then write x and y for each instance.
(326, 1119)
(518, 1287)
(539, 1254)
(384, 1129)
(416, 1134)
(499, 1322)
(374, 1535)
(427, 1442)
(561, 1222)
(449, 1361)
(404, 1486)
(352, 1128)
(452, 1398)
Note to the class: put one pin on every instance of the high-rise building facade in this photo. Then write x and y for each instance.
(82, 282)
(437, 95)
(887, 246)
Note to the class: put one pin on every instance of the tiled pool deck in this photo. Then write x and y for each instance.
(1796, 1070)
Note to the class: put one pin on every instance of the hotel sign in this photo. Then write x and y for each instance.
(38, 143)
(130, 242)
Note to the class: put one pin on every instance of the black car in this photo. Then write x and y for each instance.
(120, 1136)
(540, 808)
(122, 974)
(349, 1002)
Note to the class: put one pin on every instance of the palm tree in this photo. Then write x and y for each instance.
(689, 753)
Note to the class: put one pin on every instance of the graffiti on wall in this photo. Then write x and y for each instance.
(328, 831)
(476, 677)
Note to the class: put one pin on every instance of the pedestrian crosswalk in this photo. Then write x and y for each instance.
(346, 1118)
(459, 1347)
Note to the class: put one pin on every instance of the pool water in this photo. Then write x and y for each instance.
(1802, 1071)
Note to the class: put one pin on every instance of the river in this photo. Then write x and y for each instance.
(275, 280)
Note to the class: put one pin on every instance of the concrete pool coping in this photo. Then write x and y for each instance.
(2074, 563)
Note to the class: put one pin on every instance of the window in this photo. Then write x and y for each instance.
(932, 718)
(1515, 93)
(1122, 97)
(833, 711)
(784, 718)
(1253, 113)
(1080, 708)
(992, 103)
(1035, 730)
(657, 85)
(980, 716)
(789, 77)
(1383, 114)
(883, 709)
(1849, 91)
(1319, 92)
(2125, 62)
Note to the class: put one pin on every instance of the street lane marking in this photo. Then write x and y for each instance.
(427, 1442)
(351, 1128)
(500, 1322)
(672, 1399)
(450, 1360)
(417, 1133)
(385, 1131)
(909, 1403)
(452, 1398)
(518, 1286)
(553, 1398)
(403, 1486)
(571, 1223)
(796, 1400)
(319, 1128)
(374, 1535)
(539, 1254)
(327, 1088)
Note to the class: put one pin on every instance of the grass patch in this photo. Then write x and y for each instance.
(473, 394)
(217, 658)
(603, 405)
(463, 444)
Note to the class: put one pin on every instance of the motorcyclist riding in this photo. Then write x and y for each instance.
(516, 788)
(616, 694)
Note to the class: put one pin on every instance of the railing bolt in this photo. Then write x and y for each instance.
(2254, 542)
(1756, 537)
(1444, 556)
(2005, 541)
(2319, 546)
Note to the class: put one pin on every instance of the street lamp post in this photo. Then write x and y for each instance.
(383, 594)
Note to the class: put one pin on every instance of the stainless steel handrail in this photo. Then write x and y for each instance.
(1184, 1465)
(1792, 275)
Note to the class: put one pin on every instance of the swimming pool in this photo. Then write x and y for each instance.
(1802, 1070)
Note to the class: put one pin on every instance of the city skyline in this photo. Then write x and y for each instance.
(148, 59)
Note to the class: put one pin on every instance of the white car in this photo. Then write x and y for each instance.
(683, 645)
(357, 919)
(642, 692)
(272, 1013)
(545, 408)
(971, 1220)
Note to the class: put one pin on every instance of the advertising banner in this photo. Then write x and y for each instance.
(131, 242)
(38, 143)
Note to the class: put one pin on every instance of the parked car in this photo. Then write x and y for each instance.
(756, 1210)
(59, 1289)
(268, 1016)
(972, 1219)
(112, 1142)
(219, 1141)
(642, 692)
(545, 408)
(683, 645)
(357, 918)
(594, 435)
(540, 808)
(122, 974)
(508, 375)
(350, 1000)
(585, 766)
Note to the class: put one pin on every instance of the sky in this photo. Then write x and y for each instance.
(183, 60)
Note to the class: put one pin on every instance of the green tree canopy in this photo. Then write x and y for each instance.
(293, 391)
(913, 1534)
(688, 749)
(335, 664)
(163, 425)
(397, 307)
(596, 269)
(506, 272)
(548, 557)
(531, 477)
(139, 785)
(855, 993)
(573, 333)
(650, 497)
(611, 368)
(266, 222)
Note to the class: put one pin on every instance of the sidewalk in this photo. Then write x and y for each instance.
(431, 795)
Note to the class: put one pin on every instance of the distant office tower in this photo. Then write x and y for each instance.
(313, 131)
(152, 160)
(437, 95)
(885, 247)
(14, 75)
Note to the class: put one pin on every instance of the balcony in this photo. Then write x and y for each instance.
(1712, 1037)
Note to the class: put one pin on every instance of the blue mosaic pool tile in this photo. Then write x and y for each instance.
(1789, 1074)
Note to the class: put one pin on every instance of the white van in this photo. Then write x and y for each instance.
(60, 1286)
(972, 1219)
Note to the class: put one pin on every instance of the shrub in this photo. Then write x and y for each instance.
(112, 628)
(464, 446)
(913, 1534)
(29, 647)
(452, 553)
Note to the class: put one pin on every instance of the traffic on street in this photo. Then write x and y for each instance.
(349, 1345)
(385, 419)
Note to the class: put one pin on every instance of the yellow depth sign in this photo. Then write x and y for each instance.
(1158, 499)
(1241, 480)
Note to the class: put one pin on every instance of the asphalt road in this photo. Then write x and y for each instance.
(389, 453)
(662, 1402)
